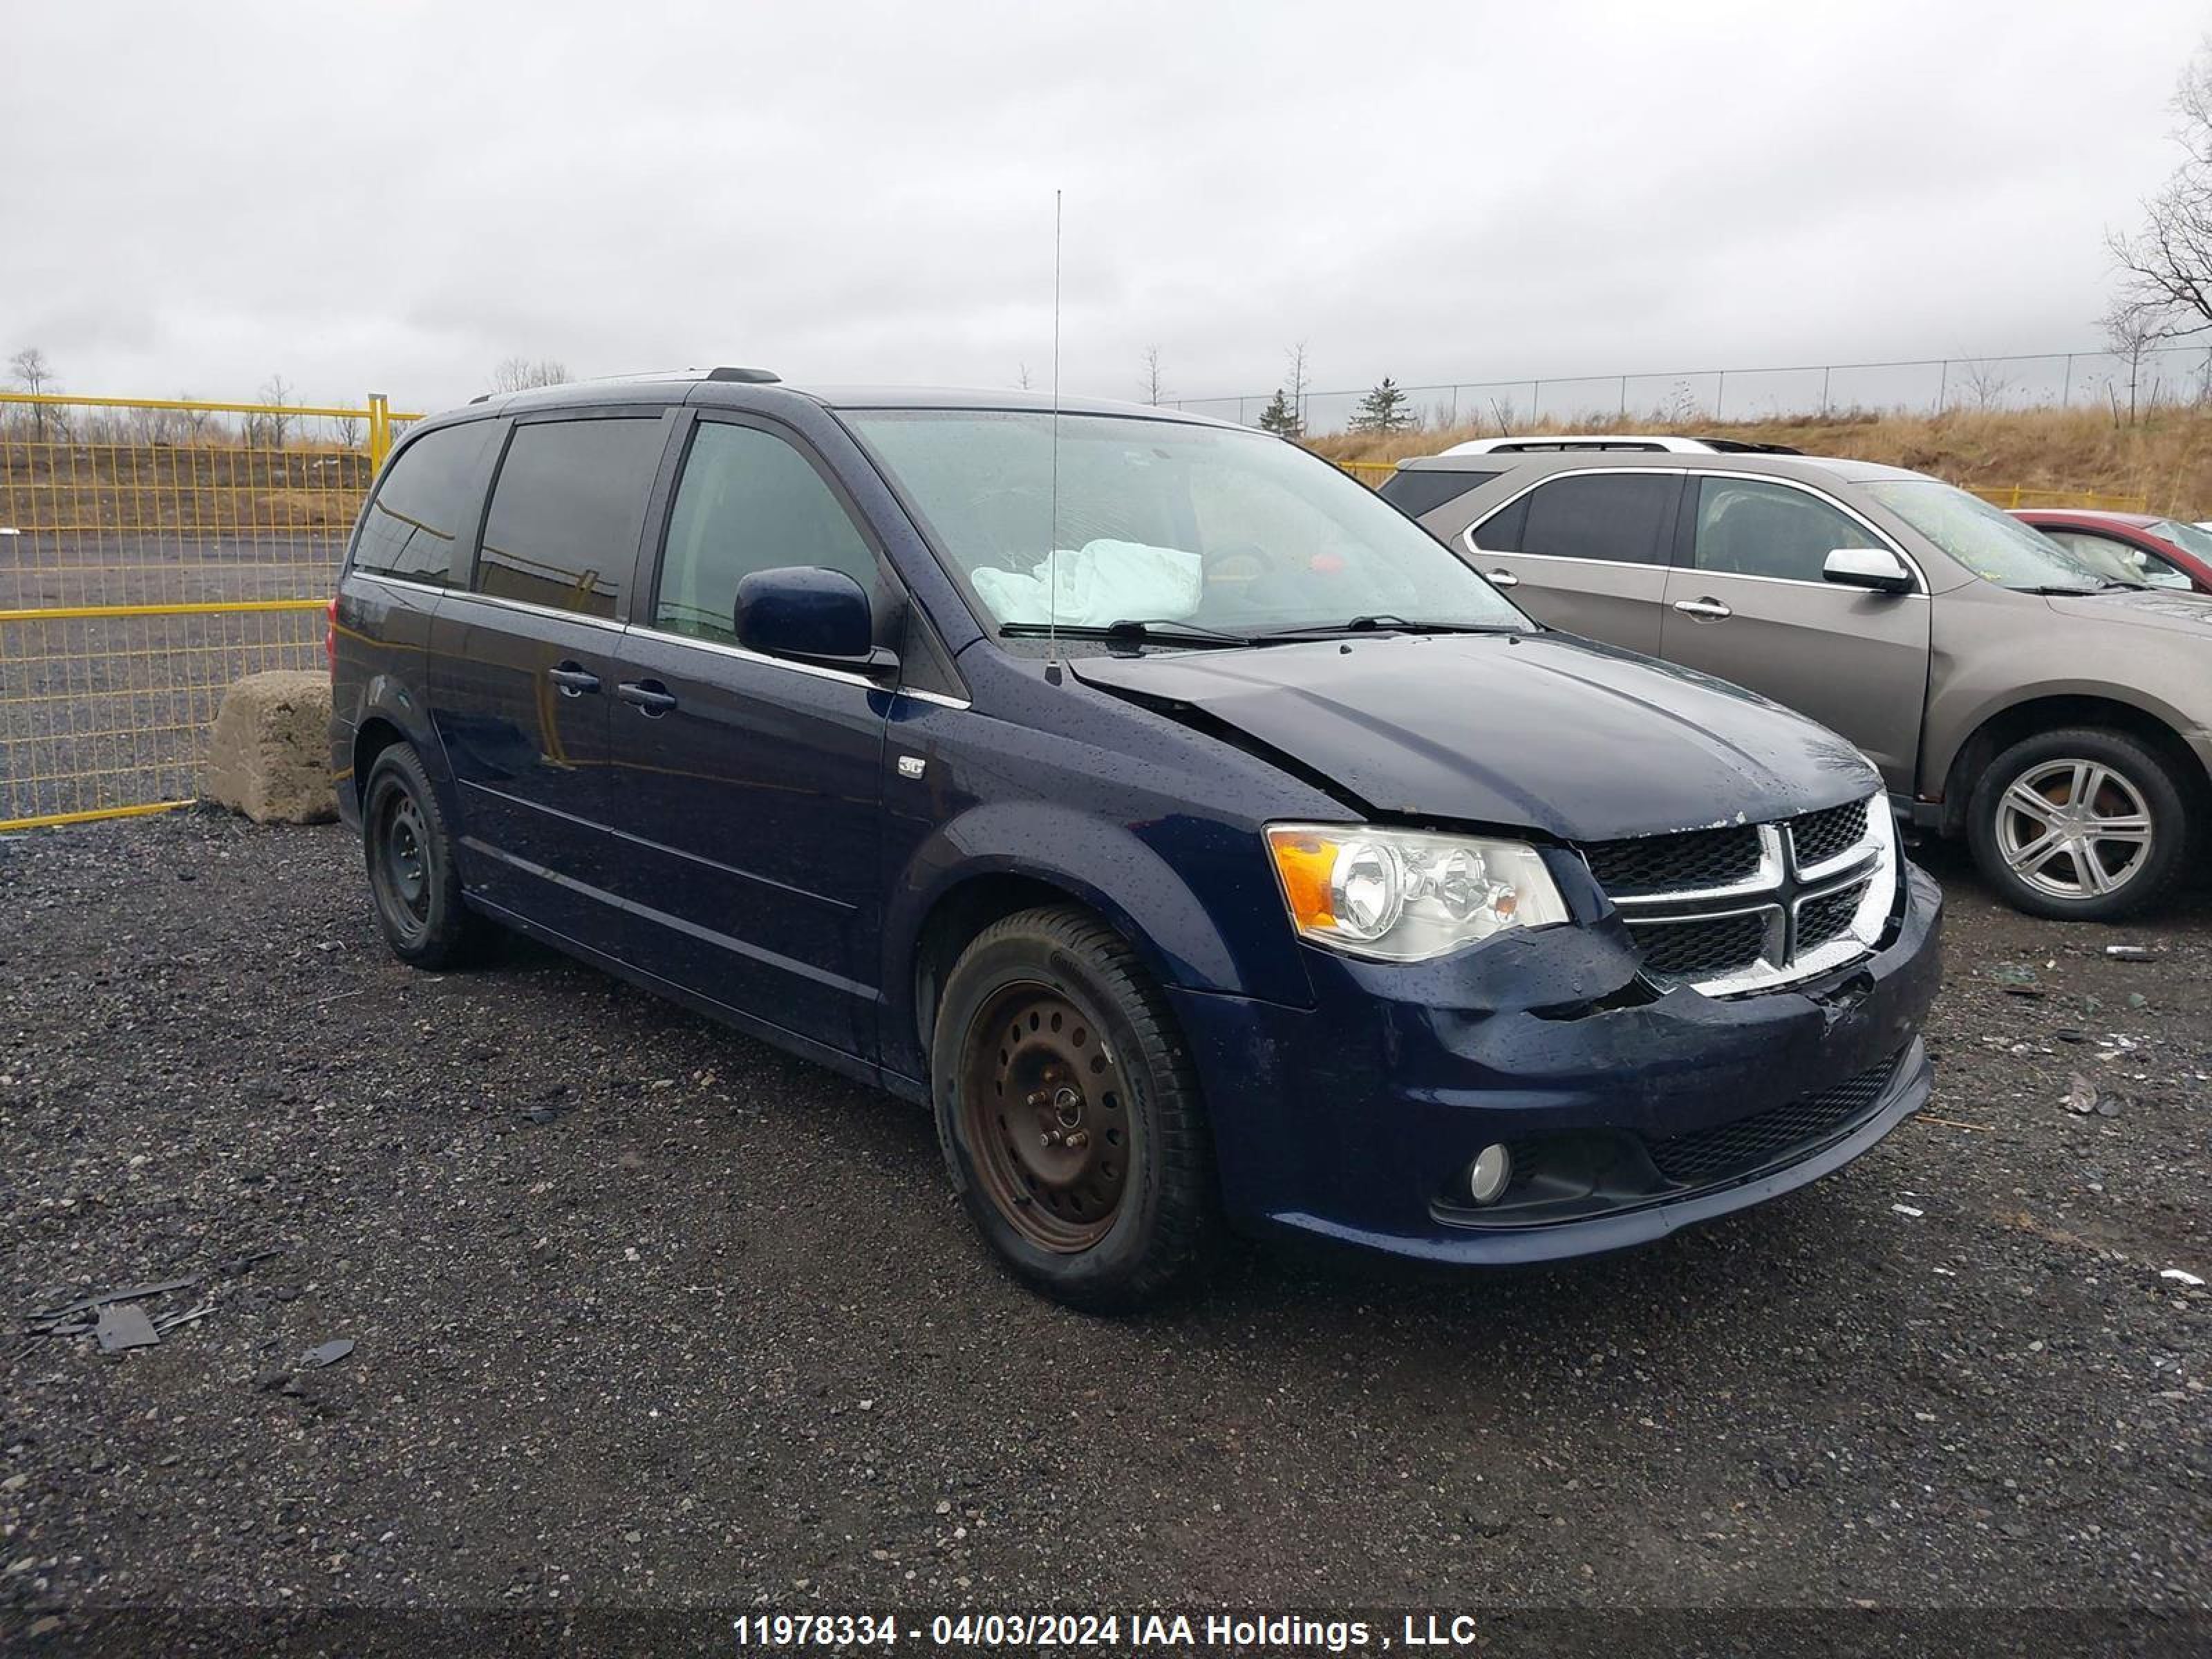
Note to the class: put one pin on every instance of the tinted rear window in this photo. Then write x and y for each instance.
(409, 528)
(566, 512)
(1423, 492)
(1608, 515)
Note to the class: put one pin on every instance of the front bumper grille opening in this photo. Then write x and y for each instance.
(1703, 1156)
(1578, 1174)
(1708, 948)
(1660, 863)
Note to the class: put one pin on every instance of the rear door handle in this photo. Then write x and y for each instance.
(1503, 579)
(1702, 610)
(574, 678)
(651, 696)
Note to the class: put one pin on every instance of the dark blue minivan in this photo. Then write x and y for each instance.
(1203, 841)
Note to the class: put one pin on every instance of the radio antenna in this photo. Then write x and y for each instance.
(1052, 581)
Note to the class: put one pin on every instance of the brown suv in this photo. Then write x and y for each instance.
(2057, 719)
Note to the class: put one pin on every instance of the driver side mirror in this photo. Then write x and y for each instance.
(805, 613)
(1876, 569)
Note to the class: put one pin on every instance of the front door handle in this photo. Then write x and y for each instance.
(1503, 579)
(1702, 610)
(574, 678)
(651, 696)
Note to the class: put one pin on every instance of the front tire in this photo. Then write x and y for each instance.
(2082, 824)
(1069, 1113)
(413, 879)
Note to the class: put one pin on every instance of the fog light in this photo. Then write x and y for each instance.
(1487, 1175)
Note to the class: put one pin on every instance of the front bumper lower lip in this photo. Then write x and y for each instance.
(1643, 1224)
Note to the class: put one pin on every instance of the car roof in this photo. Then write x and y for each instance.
(1811, 468)
(756, 387)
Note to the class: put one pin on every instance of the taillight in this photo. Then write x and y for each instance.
(330, 634)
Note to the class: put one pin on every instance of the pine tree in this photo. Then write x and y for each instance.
(1385, 411)
(1279, 418)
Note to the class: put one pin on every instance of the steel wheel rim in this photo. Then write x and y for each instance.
(402, 864)
(1044, 1113)
(2074, 828)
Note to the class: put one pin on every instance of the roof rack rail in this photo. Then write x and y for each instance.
(1746, 446)
(745, 376)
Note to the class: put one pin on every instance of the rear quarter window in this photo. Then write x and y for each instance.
(428, 492)
(1418, 493)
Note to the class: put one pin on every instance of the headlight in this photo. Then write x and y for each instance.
(1404, 895)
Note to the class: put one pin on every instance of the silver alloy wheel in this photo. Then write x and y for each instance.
(2074, 828)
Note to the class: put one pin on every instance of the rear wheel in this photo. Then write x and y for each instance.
(1069, 1112)
(2083, 824)
(412, 875)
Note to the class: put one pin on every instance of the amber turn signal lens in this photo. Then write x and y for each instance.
(1305, 862)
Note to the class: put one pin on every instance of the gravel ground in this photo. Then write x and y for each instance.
(647, 1315)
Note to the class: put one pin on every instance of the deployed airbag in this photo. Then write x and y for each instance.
(1101, 582)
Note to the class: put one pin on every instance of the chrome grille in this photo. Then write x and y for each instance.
(1829, 917)
(1820, 836)
(1764, 1138)
(1737, 910)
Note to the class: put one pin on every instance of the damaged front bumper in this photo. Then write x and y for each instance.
(1631, 1112)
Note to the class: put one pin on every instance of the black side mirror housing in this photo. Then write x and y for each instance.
(811, 615)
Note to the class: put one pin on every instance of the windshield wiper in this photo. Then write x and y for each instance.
(2051, 592)
(1129, 629)
(1384, 622)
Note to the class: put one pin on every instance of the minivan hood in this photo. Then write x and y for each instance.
(1543, 731)
(2176, 611)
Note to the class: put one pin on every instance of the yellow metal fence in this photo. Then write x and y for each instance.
(151, 552)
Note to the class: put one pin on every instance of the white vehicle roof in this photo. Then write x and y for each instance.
(1546, 443)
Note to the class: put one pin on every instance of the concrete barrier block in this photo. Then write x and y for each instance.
(270, 756)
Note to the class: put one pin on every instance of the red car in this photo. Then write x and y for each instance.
(2130, 547)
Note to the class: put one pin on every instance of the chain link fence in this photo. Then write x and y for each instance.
(2127, 386)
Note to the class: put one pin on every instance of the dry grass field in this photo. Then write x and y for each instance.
(2165, 457)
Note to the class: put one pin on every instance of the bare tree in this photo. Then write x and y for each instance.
(1155, 393)
(1021, 377)
(2167, 266)
(31, 369)
(1989, 382)
(2130, 332)
(1299, 380)
(194, 421)
(521, 374)
(346, 429)
(274, 425)
(36, 375)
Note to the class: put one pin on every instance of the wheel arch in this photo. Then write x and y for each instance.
(371, 739)
(2054, 711)
(390, 714)
(996, 862)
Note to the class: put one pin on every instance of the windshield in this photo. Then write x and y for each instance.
(1986, 540)
(1190, 528)
(2187, 537)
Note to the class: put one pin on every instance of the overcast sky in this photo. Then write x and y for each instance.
(395, 196)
